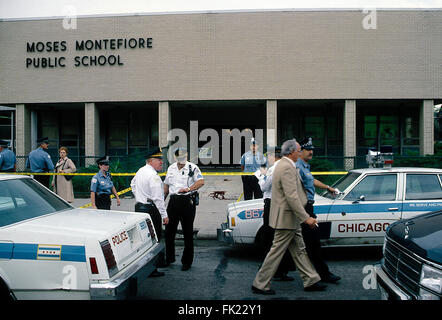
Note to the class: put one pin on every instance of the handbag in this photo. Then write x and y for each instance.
(67, 177)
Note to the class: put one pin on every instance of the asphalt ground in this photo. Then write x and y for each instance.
(210, 212)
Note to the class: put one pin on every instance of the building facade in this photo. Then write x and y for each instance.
(116, 85)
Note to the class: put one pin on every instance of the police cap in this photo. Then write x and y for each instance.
(3, 143)
(103, 160)
(306, 143)
(181, 155)
(43, 140)
(154, 153)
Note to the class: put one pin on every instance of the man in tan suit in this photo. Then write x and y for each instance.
(286, 215)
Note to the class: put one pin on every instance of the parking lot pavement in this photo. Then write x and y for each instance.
(209, 214)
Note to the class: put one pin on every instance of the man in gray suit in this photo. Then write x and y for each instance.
(286, 215)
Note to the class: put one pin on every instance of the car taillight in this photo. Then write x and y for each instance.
(94, 267)
(109, 256)
(151, 230)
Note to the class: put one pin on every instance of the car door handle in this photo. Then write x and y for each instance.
(393, 209)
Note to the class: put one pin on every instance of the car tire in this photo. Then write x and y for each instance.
(5, 293)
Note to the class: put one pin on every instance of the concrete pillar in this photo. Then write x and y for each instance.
(272, 122)
(349, 133)
(426, 127)
(23, 133)
(92, 132)
(34, 130)
(164, 122)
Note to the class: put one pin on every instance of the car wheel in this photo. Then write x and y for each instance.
(5, 293)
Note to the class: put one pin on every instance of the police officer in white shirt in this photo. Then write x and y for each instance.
(182, 181)
(148, 190)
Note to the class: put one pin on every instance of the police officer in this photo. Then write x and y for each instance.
(102, 186)
(148, 190)
(7, 158)
(312, 236)
(183, 179)
(251, 161)
(40, 161)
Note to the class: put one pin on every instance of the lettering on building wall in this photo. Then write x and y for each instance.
(88, 52)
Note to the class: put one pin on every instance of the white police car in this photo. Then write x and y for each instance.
(369, 201)
(50, 250)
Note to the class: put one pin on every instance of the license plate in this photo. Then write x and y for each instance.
(133, 237)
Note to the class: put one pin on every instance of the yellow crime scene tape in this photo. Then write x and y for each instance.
(161, 174)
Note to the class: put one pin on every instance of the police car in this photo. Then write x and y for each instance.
(51, 250)
(369, 201)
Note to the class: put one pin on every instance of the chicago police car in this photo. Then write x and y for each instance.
(368, 202)
(51, 250)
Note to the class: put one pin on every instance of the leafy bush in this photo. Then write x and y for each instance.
(82, 183)
(323, 165)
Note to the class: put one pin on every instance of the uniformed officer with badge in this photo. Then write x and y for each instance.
(183, 179)
(251, 161)
(148, 189)
(312, 236)
(7, 158)
(102, 186)
(40, 161)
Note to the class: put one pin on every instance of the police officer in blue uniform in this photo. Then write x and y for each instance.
(7, 158)
(312, 236)
(251, 161)
(102, 186)
(40, 161)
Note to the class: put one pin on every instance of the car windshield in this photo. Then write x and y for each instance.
(342, 184)
(23, 199)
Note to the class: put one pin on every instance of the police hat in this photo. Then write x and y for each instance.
(43, 140)
(181, 155)
(306, 143)
(154, 153)
(3, 143)
(103, 160)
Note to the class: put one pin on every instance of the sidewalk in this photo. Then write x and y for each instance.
(209, 214)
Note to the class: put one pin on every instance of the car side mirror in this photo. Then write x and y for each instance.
(361, 198)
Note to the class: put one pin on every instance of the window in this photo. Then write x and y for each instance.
(22, 199)
(423, 187)
(375, 188)
(342, 184)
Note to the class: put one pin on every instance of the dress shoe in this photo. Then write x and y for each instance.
(283, 277)
(156, 273)
(318, 286)
(185, 267)
(264, 292)
(331, 278)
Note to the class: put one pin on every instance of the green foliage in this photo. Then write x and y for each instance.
(421, 162)
(323, 165)
(128, 165)
(320, 164)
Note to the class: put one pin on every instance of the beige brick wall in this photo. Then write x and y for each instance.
(231, 56)
(426, 127)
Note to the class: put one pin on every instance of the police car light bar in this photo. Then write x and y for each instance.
(380, 159)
